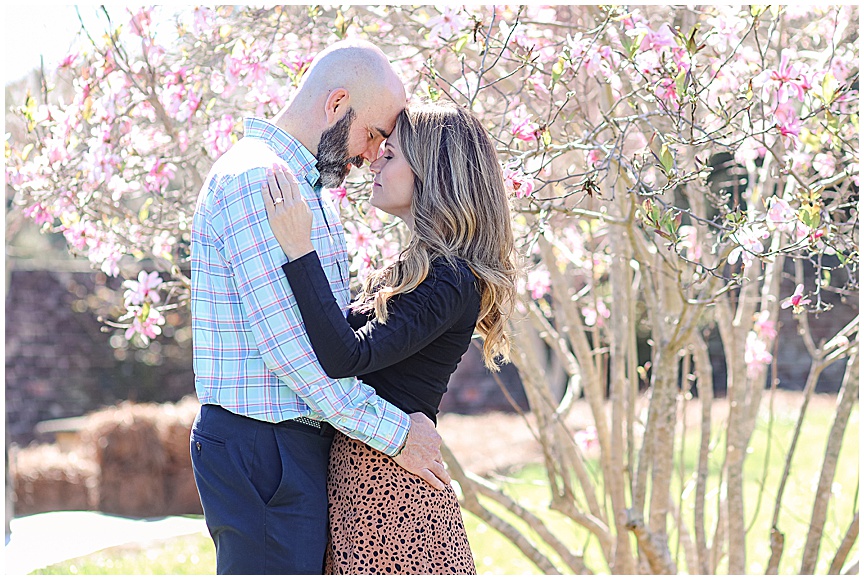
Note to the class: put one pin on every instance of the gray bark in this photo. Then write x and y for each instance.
(846, 399)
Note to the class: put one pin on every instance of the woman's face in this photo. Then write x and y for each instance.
(393, 187)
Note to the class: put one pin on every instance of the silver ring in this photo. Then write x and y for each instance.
(278, 200)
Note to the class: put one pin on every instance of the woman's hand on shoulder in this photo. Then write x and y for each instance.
(289, 216)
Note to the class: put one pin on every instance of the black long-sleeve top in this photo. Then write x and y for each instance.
(409, 359)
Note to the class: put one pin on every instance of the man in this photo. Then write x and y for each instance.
(261, 441)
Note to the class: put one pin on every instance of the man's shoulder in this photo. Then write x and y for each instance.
(243, 165)
(248, 154)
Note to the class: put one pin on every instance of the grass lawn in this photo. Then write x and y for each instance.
(194, 554)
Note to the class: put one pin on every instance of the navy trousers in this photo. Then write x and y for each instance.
(263, 487)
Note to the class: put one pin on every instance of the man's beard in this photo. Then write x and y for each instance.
(333, 157)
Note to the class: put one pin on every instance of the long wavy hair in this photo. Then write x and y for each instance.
(461, 210)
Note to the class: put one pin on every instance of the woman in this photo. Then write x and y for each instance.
(409, 328)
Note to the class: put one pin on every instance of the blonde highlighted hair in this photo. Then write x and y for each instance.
(461, 210)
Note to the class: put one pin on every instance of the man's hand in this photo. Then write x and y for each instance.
(421, 454)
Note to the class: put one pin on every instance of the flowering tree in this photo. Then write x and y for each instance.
(670, 168)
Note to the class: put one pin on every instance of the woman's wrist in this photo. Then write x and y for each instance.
(299, 252)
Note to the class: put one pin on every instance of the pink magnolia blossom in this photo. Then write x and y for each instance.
(163, 243)
(594, 158)
(140, 22)
(446, 24)
(522, 126)
(647, 62)
(538, 84)
(725, 29)
(182, 140)
(797, 300)
(764, 326)
(781, 216)
(70, 60)
(57, 151)
(596, 315)
(159, 175)
(217, 137)
(149, 326)
(666, 90)
(538, 282)
(358, 236)
(578, 45)
(39, 214)
(756, 354)
(788, 80)
(516, 182)
(80, 234)
(586, 438)
(690, 242)
(143, 290)
(339, 196)
(111, 264)
(663, 37)
(825, 164)
(203, 20)
(788, 124)
(748, 239)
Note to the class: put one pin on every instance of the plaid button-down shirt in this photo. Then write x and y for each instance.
(251, 352)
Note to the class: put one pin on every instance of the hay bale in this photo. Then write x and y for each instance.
(181, 494)
(174, 426)
(126, 437)
(131, 459)
(48, 479)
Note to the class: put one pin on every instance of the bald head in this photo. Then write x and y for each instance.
(350, 75)
(358, 66)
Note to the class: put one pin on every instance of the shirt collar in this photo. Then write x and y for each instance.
(286, 147)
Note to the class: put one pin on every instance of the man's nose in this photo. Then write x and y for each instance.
(372, 152)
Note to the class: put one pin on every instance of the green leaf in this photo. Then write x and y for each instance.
(757, 10)
(340, 24)
(210, 104)
(26, 151)
(460, 44)
(666, 159)
(546, 137)
(681, 83)
(557, 70)
(144, 212)
(809, 215)
(692, 46)
(829, 88)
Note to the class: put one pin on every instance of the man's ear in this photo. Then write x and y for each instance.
(336, 106)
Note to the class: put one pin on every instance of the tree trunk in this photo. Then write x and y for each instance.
(845, 547)
(847, 398)
(706, 397)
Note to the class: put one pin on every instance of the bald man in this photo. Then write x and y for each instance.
(261, 441)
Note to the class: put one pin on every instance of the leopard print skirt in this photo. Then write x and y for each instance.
(383, 520)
